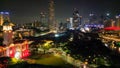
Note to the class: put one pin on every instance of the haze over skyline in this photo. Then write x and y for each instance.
(25, 11)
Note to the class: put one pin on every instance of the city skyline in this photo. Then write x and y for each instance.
(24, 11)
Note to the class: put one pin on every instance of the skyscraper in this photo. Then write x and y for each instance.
(118, 21)
(4, 16)
(1, 19)
(76, 18)
(51, 19)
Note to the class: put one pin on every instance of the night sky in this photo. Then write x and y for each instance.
(25, 11)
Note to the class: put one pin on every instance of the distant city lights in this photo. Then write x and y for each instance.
(82, 29)
(86, 28)
(1, 12)
(91, 14)
(4, 13)
(108, 14)
(56, 35)
(94, 25)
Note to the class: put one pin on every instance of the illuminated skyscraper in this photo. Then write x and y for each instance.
(76, 18)
(1, 19)
(51, 20)
(4, 16)
(118, 21)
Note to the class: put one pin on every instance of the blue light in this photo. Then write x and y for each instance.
(56, 35)
(86, 25)
(6, 12)
(1, 12)
(119, 15)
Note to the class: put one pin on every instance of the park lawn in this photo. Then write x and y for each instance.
(51, 60)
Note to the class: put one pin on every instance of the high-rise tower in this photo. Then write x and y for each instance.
(1, 19)
(118, 21)
(4, 16)
(76, 19)
(51, 20)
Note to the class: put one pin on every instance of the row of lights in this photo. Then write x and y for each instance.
(4, 13)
